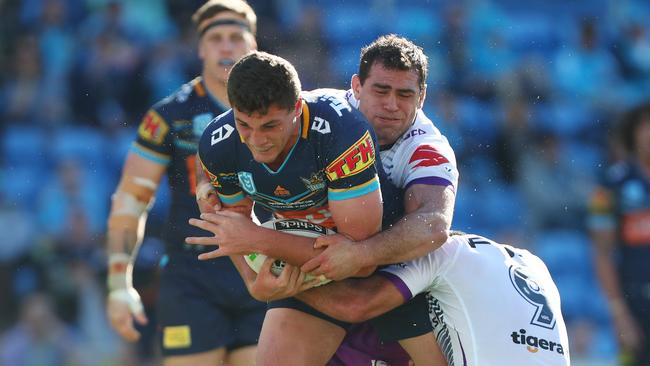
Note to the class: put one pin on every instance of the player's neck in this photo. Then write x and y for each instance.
(218, 89)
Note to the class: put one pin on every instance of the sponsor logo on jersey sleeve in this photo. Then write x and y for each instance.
(427, 155)
(354, 160)
(153, 128)
(321, 125)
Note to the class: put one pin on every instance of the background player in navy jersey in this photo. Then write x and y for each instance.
(301, 155)
(206, 315)
(620, 227)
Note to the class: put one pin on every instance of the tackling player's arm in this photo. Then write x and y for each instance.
(130, 203)
(429, 210)
(354, 300)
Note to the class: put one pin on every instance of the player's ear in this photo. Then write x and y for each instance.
(423, 95)
(356, 85)
(298, 109)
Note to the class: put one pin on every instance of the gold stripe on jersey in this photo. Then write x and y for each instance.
(200, 91)
(305, 120)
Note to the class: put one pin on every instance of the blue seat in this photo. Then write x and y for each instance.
(21, 144)
(565, 252)
(85, 145)
(20, 184)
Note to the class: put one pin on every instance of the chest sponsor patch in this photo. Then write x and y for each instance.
(354, 160)
(153, 128)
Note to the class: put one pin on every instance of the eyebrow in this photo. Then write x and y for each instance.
(263, 124)
(388, 87)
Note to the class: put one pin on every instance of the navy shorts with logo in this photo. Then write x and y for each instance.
(204, 305)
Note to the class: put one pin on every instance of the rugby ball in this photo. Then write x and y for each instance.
(289, 226)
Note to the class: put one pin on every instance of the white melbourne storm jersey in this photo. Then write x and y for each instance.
(490, 304)
(421, 156)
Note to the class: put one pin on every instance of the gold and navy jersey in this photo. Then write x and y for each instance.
(169, 135)
(333, 159)
(622, 203)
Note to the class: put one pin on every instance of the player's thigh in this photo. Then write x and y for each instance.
(190, 323)
(424, 350)
(215, 357)
(243, 356)
(293, 338)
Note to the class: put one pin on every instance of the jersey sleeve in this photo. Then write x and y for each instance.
(418, 275)
(154, 140)
(431, 161)
(215, 155)
(350, 157)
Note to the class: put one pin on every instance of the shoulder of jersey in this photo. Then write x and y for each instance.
(220, 131)
(327, 110)
(181, 97)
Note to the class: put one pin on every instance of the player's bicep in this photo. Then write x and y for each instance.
(358, 217)
(430, 199)
(140, 176)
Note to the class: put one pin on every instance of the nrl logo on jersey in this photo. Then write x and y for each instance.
(246, 182)
(314, 183)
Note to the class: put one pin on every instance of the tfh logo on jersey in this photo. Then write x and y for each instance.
(354, 160)
(153, 127)
(427, 155)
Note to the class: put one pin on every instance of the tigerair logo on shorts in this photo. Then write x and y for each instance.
(534, 344)
(354, 160)
(178, 336)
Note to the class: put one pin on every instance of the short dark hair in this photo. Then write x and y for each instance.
(394, 53)
(259, 80)
(214, 7)
(630, 122)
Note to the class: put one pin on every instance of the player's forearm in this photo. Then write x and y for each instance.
(353, 300)
(413, 236)
(293, 249)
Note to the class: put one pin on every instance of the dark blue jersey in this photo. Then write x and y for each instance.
(622, 203)
(168, 135)
(333, 159)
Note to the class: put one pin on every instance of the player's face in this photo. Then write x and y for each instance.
(223, 45)
(389, 99)
(269, 136)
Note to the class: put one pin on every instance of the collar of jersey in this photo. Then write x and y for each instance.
(286, 158)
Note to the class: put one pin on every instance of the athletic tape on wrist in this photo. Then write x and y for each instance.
(129, 296)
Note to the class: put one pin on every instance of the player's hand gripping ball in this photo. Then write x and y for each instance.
(289, 226)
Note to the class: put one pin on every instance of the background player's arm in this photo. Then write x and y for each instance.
(130, 202)
(628, 332)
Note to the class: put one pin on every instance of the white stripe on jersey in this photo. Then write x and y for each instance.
(490, 304)
(422, 155)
